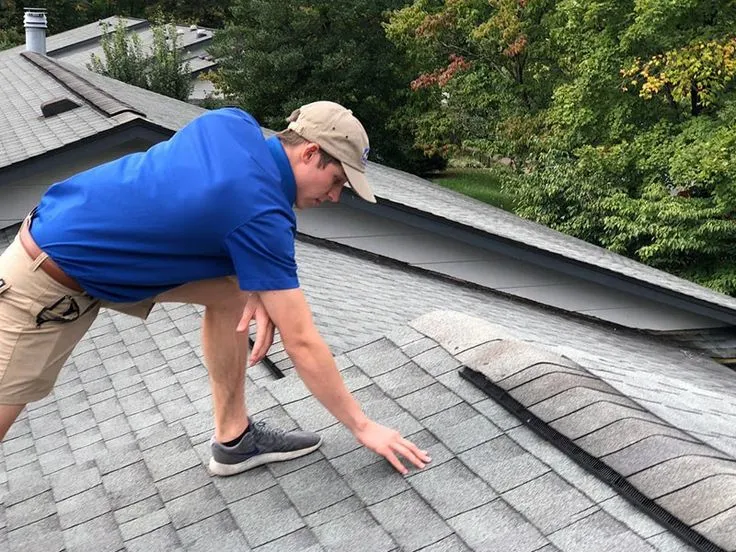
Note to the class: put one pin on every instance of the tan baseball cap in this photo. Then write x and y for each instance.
(339, 133)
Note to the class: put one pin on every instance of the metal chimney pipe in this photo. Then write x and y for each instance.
(34, 21)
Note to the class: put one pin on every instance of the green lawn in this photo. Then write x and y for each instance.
(481, 184)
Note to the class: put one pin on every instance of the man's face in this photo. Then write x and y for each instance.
(316, 184)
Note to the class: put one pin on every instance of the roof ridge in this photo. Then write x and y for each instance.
(80, 86)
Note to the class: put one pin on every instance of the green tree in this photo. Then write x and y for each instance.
(486, 67)
(277, 55)
(161, 70)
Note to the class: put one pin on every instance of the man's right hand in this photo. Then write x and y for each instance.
(388, 443)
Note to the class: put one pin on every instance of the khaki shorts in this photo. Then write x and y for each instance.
(41, 321)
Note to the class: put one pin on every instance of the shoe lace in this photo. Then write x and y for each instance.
(269, 434)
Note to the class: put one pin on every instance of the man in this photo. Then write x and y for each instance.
(206, 218)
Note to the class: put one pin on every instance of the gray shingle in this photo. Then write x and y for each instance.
(222, 542)
(337, 440)
(221, 523)
(314, 487)
(356, 532)
(436, 361)
(128, 485)
(300, 541)
(249, 483)
(410, 521)
(195, 506)
(461, 427)
(495, 526)
(548, 502)
(41, 536)
(418, 346)
(448, 544)
(598, 532)
(430, 400)
(56, 459)
(30, 510)
(378, 357)
(100, 533)
(183, 483)
(73, 480)
(138, 509)
(403, 380)
(503, 463)
(170, 458)
(462, 387)
(266, 516)
(83, 507)
(338, 510)
(667, 542)
(451, 488)
(144, 524)
(376, 482)
(702, 500)
(163, 538)
(632, 517)
(310, 414)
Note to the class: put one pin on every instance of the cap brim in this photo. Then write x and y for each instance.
(359, 183)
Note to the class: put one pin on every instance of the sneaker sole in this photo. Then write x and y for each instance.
(224, 470)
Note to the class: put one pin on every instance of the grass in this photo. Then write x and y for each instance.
(481, 184)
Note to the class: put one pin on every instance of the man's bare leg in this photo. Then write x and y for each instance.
(8, 414)
(225, 350)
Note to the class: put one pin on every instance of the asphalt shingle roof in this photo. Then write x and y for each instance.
(116, 455)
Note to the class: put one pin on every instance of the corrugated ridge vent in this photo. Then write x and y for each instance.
(590, 463)
(98, 98)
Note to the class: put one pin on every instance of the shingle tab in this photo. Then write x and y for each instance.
(503, 464)
(451, 488)
(266, 516)
(358, 527)
(410, 521)
(314, 487)
(598, 532)
(495, 526)
(548, 502)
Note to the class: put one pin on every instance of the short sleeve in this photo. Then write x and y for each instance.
(262, 251)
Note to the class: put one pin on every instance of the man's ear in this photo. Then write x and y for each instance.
(309, 151)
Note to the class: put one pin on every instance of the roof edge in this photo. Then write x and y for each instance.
(532, 253)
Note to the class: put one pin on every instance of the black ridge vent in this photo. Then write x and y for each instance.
(57, 105)
(590, 463)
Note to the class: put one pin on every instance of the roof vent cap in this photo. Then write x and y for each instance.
(201, 32)
(34, 21)
(192, 27)
(57, 105)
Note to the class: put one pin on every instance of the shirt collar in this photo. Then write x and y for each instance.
(288, 183)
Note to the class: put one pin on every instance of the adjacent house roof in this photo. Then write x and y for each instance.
(77, 45)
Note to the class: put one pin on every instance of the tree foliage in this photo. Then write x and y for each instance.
(275, 56)
(618, 114)
(161, 70)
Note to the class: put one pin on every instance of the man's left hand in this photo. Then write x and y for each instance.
(255, 311)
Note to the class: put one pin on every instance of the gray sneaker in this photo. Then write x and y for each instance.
(261, 445)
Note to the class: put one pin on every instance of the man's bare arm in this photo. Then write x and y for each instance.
(316, 366)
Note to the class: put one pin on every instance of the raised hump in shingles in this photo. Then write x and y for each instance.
(96, 97)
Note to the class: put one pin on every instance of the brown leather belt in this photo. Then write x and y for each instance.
(48, 265)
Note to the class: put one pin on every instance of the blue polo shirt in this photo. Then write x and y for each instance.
(214, 200)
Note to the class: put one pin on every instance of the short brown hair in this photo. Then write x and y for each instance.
(290, 138)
